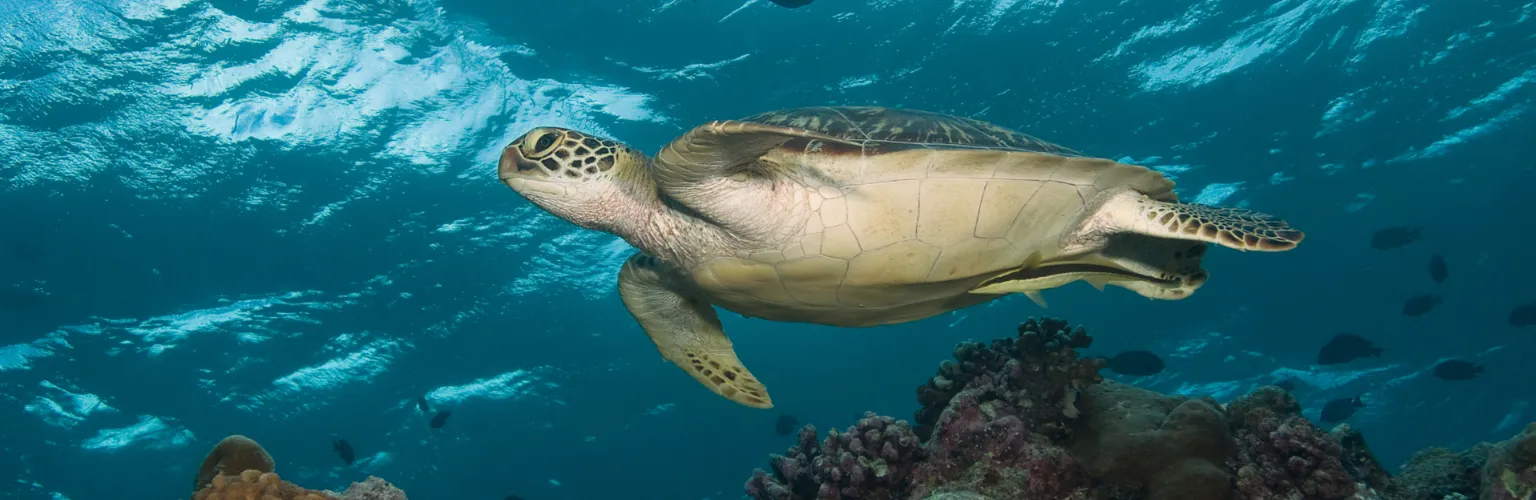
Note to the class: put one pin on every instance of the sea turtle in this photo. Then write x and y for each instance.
(863, 216)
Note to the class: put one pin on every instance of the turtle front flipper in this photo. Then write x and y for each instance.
(687, 331)
(719, 149)
(1127, 211)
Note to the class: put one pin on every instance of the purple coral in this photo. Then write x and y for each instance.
(1281, 454)
(988, 423)
(871, 460)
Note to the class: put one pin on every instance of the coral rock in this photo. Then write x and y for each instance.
(1437, 473)
(1511, 470)
(372, 488)
(239, 469)
(1175, 447)
(232, 455)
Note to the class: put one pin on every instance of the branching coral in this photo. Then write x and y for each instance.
(871, 460)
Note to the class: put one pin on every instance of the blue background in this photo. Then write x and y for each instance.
(280, 219)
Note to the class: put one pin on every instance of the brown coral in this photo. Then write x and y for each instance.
(233, 455)
(256, 485)
(239, 469)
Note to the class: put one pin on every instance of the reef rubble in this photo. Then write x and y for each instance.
(239, 468)
(1026, 418)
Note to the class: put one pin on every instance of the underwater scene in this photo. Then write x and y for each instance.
(767, 249)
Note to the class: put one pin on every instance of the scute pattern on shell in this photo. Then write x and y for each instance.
(864, 124)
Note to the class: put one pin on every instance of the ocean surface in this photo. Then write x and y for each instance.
(280, 218)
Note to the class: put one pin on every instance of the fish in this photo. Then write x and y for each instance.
(1139, 363)
(1340, 409)
(421, 403)
(1344, 348)
(514, 497)
(1523, 316)
(439, 419)
(791, 4)
(1288, 384)
(1438, 269)
(1419, 305)
(1456, 369)
(343, 448)
(785, 425)
(1394, 237)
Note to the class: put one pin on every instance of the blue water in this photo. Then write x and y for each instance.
(280, 219)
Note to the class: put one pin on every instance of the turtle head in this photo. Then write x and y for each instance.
(578, 177)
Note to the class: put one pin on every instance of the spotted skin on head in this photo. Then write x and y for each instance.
(567, 153)
(1229, 227)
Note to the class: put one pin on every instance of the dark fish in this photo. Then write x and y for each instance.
(1344, 348)
(1523, 316)
(792, 3)
(1288, 384)
(439, 419)
(1139, 363)
(1438, 270)
(421, 402)
(1340, 409)
(344, 449)
(1419, 305)
(1394, 237)
(1456, 369)
(514, 497)
(785, 425)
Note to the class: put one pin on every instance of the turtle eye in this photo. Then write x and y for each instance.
(543, 146)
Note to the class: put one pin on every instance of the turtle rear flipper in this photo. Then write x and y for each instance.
(1127, 211)
(687, 332)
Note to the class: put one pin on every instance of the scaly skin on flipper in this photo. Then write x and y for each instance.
(687, 331)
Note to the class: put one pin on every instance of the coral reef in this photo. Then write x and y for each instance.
(987, 426)
(1025, 418)
(239, 468)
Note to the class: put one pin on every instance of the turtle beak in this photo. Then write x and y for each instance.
(513, 164)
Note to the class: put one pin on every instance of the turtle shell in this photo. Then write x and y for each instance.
(905, 127)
